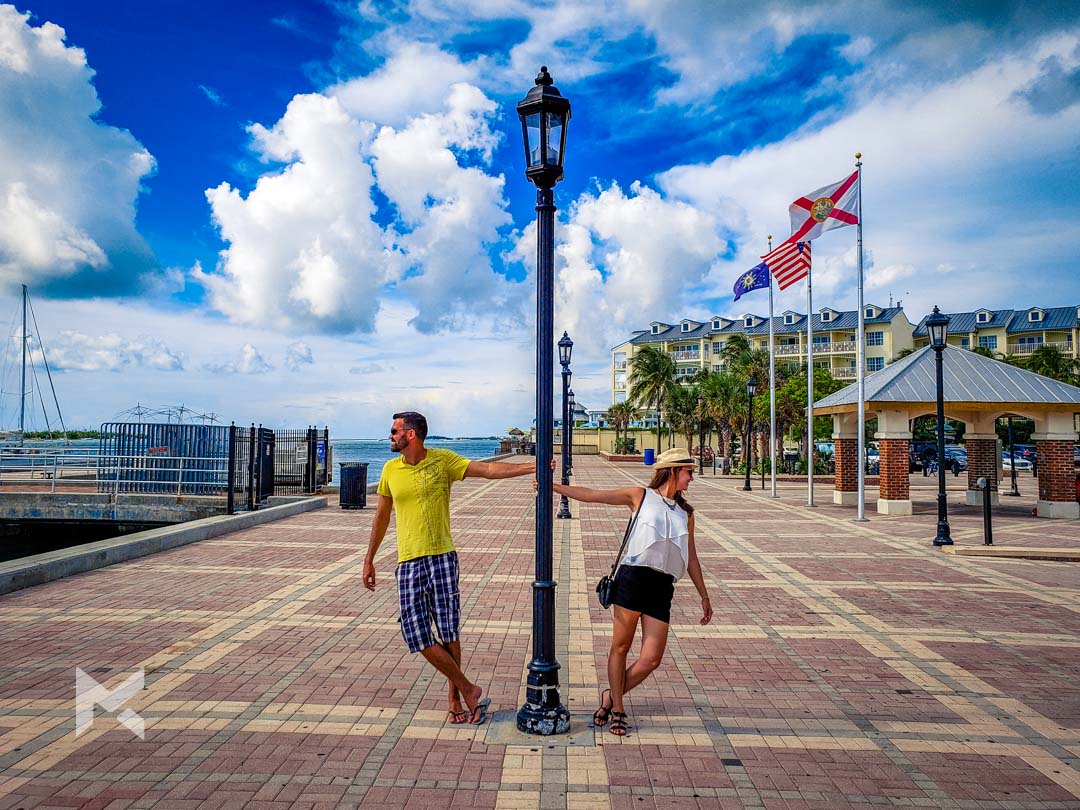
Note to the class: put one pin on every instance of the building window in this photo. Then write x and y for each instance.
(821, 339)
(826, 316)
(870, 312)
(749, 320)
(988, 341)
(716, 324)
(789, 319)
(686, 327)
(875, 338)
(1030, 341)
(1035, 316)
(875, 363)
(982, 317)
(965, 343)
(656, 330)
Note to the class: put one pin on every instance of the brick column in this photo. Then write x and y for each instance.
(983, 461)
(1057, 478)
(894, 496)
(846, 488)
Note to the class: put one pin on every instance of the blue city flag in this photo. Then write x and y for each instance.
(755, 278)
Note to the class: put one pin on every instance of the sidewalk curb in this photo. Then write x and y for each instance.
(1015, 553)
(26, 572)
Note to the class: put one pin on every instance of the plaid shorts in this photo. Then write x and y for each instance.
(428, 590)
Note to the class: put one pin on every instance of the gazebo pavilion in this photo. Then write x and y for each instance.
(977, 390)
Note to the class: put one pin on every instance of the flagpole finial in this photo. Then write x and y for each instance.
(858, 155)
(770, 236)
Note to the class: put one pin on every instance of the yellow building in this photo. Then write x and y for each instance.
(696, 345)
(1011, 331)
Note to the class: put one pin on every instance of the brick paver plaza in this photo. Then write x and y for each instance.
(848, 665)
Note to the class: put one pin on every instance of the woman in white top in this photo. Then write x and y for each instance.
(659, 551)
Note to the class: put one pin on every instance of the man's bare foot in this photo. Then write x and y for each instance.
(472, 696)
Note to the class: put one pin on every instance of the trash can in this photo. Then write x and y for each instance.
(532, 449)
(353, 491)
(650, 456)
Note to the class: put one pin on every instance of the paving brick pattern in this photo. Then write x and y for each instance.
(848, 665)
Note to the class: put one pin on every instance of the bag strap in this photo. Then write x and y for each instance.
(626, 537)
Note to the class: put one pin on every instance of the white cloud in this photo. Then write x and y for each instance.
(303, 250)
(68, 182)
(414, 77)
(298, 354)
(250, 361)
(212, 95)
(76, 351)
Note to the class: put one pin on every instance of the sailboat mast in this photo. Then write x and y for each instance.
(22, 387)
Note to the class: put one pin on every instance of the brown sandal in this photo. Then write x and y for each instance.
(601, 715)
(618, 724)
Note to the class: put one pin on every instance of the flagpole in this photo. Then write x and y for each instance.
(809, 388)
(859, 356)
(772, 387)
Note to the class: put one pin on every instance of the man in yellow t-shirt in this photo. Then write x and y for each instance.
(417, 487)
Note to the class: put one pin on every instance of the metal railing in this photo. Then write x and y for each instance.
(620, 365)
(1028, 348)
(791, 348)
(73, 467)
(844, 373)
(686, 357)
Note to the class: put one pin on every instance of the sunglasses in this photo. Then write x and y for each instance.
(395, 431)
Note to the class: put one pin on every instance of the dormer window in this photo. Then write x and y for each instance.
(656, 329)
(789, 319)
(826, 315)
(716, 324)
(982, 317)
(686, 327)
(871, 312)
(1035, 316)
(748, 320)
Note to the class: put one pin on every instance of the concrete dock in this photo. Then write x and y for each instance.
(848, 665)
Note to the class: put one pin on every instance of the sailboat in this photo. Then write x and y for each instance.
(29, 344)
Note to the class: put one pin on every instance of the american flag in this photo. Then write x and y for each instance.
(788, 263)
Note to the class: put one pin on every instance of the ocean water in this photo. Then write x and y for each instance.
(376, 452)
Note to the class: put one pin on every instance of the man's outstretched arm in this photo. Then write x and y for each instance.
(498, 469)
(378, 531)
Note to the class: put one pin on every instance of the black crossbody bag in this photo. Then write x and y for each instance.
(606, 585)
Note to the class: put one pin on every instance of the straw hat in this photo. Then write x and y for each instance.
(675, 457)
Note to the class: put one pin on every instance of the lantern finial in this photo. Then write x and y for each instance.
(543, 77)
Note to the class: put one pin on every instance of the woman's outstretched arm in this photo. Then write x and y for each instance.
(627, 496)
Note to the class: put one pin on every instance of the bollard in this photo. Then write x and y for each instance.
(988, 532)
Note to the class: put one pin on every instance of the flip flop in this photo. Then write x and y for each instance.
(457, 718)
(480, 713)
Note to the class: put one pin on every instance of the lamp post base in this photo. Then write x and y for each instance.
(532, 719)
(943, 538)
(564, 509)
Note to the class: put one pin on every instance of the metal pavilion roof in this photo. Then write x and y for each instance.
(969, 377)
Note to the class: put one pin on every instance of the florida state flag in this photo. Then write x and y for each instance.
(822, 210)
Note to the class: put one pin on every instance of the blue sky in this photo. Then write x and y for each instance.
(299, 212)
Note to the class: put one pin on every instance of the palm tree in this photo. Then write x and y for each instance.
(621, 414)
(682, 412)
(651, 379)
(1050, 361)
(724, 396)
(900, 355)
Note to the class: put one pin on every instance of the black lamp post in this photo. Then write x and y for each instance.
(701, 434)
(751, 388)
(571, 403)
(544, 114)
(566, 348)
(1012, 463)
(938, 327)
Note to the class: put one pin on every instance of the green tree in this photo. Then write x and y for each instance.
(621, 414)
(651, 380)
(1050, 361)
(682, 407)
(791, 403)
(724, 398)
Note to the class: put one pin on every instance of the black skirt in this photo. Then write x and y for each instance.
(645, 590)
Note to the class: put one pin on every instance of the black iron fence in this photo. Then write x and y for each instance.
(244, 465)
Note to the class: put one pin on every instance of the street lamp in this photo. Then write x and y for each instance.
(751, 388)
(1012, 463)
(938, 327)
(701, 434)
(544, 114)
(566, 348)
(571, 404)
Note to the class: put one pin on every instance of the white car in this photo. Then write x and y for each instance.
(1021, 463)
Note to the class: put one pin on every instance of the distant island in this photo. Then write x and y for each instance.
(464, 438)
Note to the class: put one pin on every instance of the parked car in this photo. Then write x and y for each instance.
(1076, 456)
(1021, 463)
(1026, 451)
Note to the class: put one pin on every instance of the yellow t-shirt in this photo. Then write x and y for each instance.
(421, 494)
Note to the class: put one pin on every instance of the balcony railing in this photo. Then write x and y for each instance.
(620, 365)
(686, 357)
(620, 386)
(843, 373)
(794, 348)
(1028, 348)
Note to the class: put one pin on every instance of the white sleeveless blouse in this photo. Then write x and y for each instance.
(661, 536)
